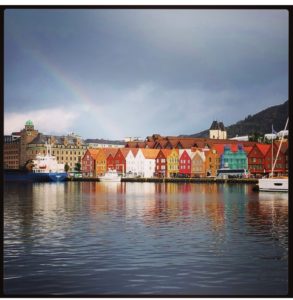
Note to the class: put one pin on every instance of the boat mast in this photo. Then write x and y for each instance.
(272, 162)
(283, 133)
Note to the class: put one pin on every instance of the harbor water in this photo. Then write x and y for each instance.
(94, 238)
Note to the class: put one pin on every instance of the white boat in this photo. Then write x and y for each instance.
(46, 168)
(274, 184)
(110, 176)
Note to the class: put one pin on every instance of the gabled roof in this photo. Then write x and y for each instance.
(110, 151)
(93, 152)
(124, 151)
(247, 149)
(263, 148)
(150, 153)
(221, 147)
(166, 152)
(217, 126)
(284, 146)
(200, 153)
(188, 151)
(134, 151)
(135, 144)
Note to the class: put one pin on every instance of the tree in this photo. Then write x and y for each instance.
(77, 167)
(255, 137)
(66, 167)
(28, 166)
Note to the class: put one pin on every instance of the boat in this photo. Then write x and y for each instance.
(45, 169)
(110, 176)
(274, 184)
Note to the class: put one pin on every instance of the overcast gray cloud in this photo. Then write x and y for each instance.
(136, 72)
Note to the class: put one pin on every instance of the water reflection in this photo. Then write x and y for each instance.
(144, 238)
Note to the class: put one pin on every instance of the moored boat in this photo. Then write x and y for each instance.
(274, 184)
(110, 176)
(45, 169)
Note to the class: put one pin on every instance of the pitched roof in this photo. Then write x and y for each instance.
(263, 148)
(124, 151)
(284, 146)
(166, 152)
(217, 126)
(247, 149)
(134, 151)
(110, 151)
(93, 152)
(150, 153)
(221, 147)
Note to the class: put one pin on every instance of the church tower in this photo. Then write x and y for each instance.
(217, 131)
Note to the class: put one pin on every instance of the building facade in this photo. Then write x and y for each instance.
(185, 157)
(217, 131)
(68, 149)
(11, 152)
(88, 163)
(234, 159)
(198, 164)
(27, 135)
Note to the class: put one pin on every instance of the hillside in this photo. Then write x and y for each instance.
(261, 122)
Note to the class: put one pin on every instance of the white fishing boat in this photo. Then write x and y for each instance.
(110, 176)
(46, 168)
(274, 184)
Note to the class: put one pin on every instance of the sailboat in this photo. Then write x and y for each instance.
(275, 184)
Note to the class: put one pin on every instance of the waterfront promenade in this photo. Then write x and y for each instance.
(177, 180)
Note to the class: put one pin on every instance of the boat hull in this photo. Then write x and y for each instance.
(35, 177)
(273, 184)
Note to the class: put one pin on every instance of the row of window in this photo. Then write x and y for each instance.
(11, 157)
(261, 167)
(182, 161)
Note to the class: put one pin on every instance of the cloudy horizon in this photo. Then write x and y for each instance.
(111, 73)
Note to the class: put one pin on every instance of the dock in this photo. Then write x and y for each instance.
(175, 180)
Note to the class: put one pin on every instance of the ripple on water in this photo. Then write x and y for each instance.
(170, 239)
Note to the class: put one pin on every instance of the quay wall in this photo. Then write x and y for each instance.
(177, 180)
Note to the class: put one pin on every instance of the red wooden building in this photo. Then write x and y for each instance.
(260, 159)
(120, 160)
(162, 163)
(88, 163)
(110, 154)
(185, 157)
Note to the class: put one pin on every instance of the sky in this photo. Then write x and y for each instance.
(116, 73)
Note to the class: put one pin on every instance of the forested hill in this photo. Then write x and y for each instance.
(260, 123)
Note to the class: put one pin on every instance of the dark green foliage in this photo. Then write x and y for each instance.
(77, 167)
(260, 123)
(66, 167)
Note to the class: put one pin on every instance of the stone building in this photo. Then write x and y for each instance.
(23, 147)
(26, 136)
(11, 152)
(68, 149)
(217, 131)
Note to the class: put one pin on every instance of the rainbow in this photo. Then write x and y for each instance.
(104, 120)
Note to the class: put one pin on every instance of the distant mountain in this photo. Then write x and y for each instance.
(103, 141)
(261, 122)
